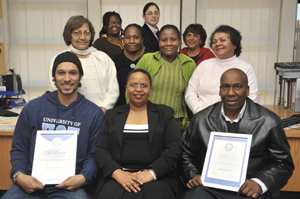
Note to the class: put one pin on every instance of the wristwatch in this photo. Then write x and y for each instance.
(15, 176)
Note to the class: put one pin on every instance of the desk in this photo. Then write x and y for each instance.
(5, 166)
(293, 137)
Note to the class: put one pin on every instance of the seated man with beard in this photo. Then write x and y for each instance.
(64, 109)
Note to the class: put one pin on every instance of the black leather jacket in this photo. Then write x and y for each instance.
(270, 160)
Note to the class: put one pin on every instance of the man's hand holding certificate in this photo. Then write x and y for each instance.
(72, 183)
(55, 156)
(29, 183)
(45, 154)
(222, 160)
(226, 160)
(195, 182)
(250, 188)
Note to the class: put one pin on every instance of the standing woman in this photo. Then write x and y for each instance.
(111, 41)
(170, 72)
(194, 37)
(99, 83)
(204, 85)
(150, 30)
(129, 57)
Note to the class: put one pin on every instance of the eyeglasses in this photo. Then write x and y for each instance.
(115, 22)
(134, 85)
(79, 33)
(152, 13)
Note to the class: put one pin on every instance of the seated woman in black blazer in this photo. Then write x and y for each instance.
(138, 146)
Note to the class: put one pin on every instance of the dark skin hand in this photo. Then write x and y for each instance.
(195, 182)
(250, 188)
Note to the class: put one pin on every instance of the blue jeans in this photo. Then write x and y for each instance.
(16, 192)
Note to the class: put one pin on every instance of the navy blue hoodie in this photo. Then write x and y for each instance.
(47, 113)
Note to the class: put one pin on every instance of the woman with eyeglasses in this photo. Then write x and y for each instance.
(99, 83)
(138, 146)
(111, 41)
(150, 30)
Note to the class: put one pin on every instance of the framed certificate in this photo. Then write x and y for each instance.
(226, 160)
(54, 156)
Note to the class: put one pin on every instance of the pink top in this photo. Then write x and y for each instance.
(203, 88)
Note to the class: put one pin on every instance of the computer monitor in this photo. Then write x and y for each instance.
(13, 83)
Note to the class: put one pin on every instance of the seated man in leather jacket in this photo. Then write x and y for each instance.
(270, 162)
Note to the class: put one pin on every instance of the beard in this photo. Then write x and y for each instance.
(66, 94)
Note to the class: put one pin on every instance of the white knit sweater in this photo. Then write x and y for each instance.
(203, 89)
(99, 85)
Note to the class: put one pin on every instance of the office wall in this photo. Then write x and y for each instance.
(258, 21)
(35, 36)
(267, 28)
(287, 30)
(2, 47)
(94, 13)
(189, 8)
(131, 11)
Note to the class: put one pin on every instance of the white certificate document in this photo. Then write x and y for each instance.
(54, 156)
(226, 160)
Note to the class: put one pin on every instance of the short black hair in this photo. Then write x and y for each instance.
(106, 18)
(235, 37)
(139, 70)
(170, 26)
(148, 5)
(136, 26)
(197, 29)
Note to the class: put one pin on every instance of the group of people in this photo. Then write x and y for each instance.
(129, 91)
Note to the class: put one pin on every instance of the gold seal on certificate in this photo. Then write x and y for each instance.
(226, 160)
(54, 156)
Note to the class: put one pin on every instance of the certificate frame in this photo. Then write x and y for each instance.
(226, 160)
(54, 156)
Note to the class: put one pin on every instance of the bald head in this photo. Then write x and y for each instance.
(237, 71)
(234, 90)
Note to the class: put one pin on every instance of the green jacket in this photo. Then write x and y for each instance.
(150, 62)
